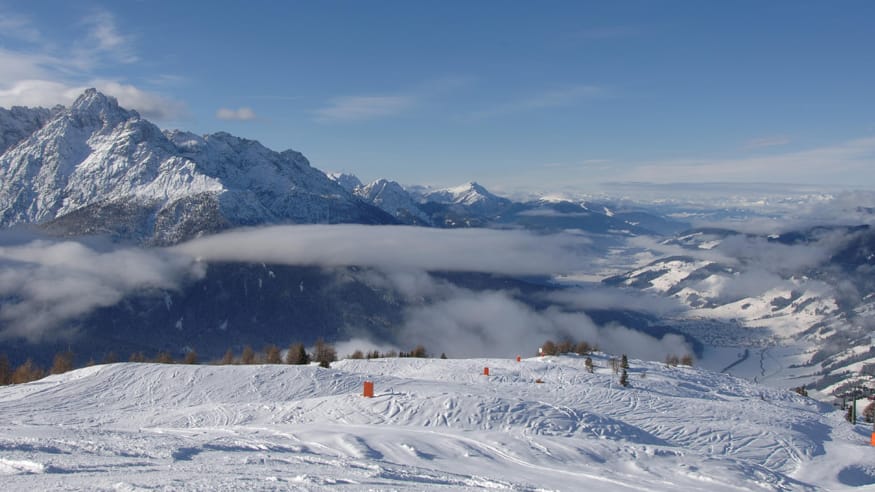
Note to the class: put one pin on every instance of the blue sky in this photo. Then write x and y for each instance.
(517, 95)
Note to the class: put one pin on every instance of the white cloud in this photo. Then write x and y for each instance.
(43, 74)
(105, 38)
(20, 66)
(150, 104)
(849, 162)
(240, 114)
(46, 283)
(465, 323)
(361, 108)
(18, 27)
(443, 316)
(553, 98)
(394, 248)
(370, 107)
(38, 92)
(494, 324)
(47, 93)
(763, 142)
(549, 212)
(598, 297)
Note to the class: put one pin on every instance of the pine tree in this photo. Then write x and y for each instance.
(624, 378)
(588, 363)
(869, 413)
(27, 372)
(582, 348)
(190, 357)
(62, 363)
(615, 364)
(110, 358)
(228, 358)
(419, 351)
(297, 355)
(624, 362)
(687, 360)
(443, 355)
(565, 346)
(164, 358)
(358, 354)
(272, 355)
(137, 357)
(324, 353)
(5, 370)
(248, 355)
(549, 348)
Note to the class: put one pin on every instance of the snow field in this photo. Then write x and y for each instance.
(432, 425)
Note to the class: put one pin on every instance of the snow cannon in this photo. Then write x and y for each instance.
(369, 389)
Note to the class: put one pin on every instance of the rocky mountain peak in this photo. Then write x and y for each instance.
(96, 108)
(348, 182)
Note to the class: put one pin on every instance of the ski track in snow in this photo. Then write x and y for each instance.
(432, 425)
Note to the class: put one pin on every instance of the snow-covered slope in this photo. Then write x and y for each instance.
(97, 167)
(799, 300)
(392, 198)
(348, 182)
(432, 425)
(17, 123)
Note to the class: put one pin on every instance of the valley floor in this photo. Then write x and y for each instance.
(432, 425)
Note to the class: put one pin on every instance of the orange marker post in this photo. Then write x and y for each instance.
(369, 389)
(518, 358)
(873, 438)
(485, 371)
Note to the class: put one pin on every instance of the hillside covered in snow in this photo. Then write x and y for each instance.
(539, 424)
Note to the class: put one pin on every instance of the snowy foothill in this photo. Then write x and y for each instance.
(433, 424)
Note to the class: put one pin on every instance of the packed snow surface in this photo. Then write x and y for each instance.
(432, 425)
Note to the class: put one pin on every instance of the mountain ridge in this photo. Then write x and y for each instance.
(90, 160)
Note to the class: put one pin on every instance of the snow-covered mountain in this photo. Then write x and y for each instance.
(386, 195)
(97, 167)
(471, 197)
(801, 300)
(432, 425)
(395, 200)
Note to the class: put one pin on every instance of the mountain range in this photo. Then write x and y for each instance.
(97, 168)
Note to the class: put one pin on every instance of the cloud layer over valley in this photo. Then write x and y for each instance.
(47, 284)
